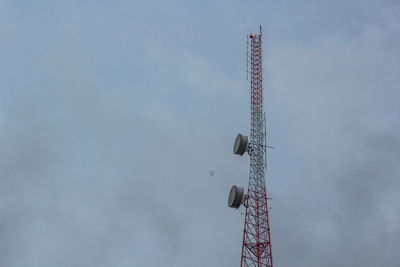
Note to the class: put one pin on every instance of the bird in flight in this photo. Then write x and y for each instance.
(212, 172)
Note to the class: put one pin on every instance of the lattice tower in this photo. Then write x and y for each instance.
(256, 247)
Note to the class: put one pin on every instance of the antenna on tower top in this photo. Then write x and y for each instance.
(247, 58)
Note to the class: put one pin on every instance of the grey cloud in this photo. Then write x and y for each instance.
(106, 143)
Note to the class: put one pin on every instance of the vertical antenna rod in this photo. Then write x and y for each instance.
(247, 58)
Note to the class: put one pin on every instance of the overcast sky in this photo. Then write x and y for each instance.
(113, 112)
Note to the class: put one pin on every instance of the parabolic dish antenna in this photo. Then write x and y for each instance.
(240, 145)
(236, 197)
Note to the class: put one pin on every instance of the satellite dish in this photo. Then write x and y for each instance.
(241, 144)
(236, 197)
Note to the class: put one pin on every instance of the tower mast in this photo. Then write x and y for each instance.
(256, 245)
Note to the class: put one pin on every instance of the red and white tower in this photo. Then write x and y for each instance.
(256, 246)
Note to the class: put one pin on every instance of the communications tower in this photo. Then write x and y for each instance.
(256, 245)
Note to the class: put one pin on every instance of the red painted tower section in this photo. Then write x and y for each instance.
(256, 246)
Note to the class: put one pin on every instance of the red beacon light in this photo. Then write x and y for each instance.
(251, 35)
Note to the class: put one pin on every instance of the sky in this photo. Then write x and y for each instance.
(112, 114)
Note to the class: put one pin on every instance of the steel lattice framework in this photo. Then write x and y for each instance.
(256, 247)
